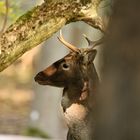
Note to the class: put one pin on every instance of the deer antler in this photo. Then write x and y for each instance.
(70, 46)
(93, 43)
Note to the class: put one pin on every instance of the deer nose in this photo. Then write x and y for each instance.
(40, 76)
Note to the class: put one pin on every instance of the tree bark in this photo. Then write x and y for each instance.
(119, 99)
(42, 22)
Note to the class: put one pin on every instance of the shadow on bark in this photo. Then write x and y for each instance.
(119, 97)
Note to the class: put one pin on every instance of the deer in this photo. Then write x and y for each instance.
(76, 74)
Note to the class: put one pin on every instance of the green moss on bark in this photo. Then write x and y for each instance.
(37, 25)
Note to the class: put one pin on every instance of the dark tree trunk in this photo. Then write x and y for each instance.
(119, 98)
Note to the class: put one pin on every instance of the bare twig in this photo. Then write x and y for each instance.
(6, 16)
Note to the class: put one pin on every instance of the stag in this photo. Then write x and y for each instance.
(76, 73)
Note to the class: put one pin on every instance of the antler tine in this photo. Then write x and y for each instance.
(70, 46)
(90, 43)
(93, 43)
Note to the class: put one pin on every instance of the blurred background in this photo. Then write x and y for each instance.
(27, 108)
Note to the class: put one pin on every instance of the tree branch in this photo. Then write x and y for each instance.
(42, 22)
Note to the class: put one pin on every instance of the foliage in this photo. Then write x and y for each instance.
(35, 132)
(2, 7)
(16, 8)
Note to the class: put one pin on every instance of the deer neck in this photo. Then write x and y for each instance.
(78, 103)
(73, 89)
(90, 76)
(93, 78)
(78, 89)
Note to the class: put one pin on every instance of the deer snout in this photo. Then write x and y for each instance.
(41, 78)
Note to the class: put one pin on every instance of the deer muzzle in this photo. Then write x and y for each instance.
(45, 77)
(41, 78)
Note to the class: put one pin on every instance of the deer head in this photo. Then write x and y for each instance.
(70, 69)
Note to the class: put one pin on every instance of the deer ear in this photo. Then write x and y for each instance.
(91, 55)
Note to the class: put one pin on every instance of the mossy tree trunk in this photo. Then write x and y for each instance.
(42, 22)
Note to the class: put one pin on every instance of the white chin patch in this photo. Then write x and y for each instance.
(75, 113)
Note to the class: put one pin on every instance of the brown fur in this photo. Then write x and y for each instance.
(76, 73)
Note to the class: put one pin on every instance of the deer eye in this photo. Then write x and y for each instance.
(65, 66)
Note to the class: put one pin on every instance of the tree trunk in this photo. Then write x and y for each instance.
(119, 98)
